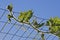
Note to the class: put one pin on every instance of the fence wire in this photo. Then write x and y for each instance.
(14, 31)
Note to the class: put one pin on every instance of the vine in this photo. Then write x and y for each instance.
(24, 17)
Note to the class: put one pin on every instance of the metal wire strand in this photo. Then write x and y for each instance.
(19, 28)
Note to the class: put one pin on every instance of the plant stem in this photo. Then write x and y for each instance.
(29, 24)
(42, 35)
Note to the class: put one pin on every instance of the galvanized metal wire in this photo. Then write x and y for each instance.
(22, 33)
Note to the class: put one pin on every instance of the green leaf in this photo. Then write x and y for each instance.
(9, 17)
(54, 24)
(25, 16)
(21, 16)
(36, 24)
(28, 16)
(41, 24)
(10, 7)
(48, 23)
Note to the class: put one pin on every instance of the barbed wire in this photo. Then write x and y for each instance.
(13, 35)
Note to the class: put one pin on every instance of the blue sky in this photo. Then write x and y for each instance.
(41, 8)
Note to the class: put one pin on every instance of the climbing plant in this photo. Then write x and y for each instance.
(24, 18)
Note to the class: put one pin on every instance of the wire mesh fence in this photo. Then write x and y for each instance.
(18, 31)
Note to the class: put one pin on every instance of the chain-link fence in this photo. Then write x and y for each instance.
(18, 31)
